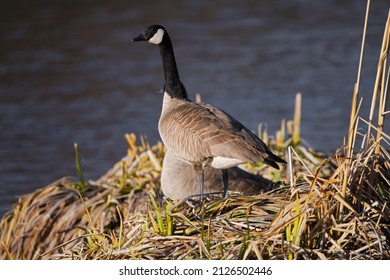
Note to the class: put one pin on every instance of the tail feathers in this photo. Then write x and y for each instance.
(277, 159)
(272, 159)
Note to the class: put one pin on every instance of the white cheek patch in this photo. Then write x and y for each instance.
(157, 37)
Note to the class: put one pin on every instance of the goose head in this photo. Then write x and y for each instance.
(153, 34)
(158, 35)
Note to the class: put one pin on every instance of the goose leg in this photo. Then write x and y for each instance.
(200, 180)
(200, 175)
(225, 182)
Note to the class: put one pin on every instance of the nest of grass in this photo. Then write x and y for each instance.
(124, 216)
(333, 206)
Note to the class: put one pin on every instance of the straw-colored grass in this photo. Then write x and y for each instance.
(328, 206)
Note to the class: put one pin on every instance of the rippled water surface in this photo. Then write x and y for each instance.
(69, 74)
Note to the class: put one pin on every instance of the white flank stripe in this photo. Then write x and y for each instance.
(223, 163)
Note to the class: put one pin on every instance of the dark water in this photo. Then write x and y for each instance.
(69, 74)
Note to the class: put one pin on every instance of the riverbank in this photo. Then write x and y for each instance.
(123, 215)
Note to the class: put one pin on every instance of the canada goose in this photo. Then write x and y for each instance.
(178, 180)
(197, 133)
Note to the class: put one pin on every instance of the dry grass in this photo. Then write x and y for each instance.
(332, 206)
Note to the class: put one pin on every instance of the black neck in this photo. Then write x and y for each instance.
(173, 85)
